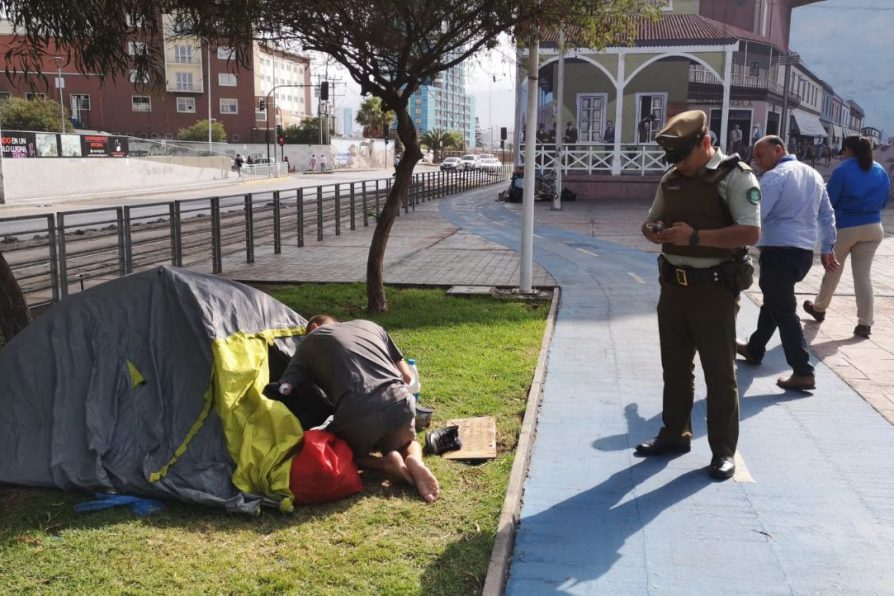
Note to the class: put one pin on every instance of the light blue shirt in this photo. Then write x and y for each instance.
(795, 207)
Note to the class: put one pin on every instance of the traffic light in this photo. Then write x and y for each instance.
(279, 131)
(324, 91)
(503, 133)
(262, 105)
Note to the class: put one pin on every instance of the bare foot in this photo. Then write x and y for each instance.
(393, 464)
(423, 479)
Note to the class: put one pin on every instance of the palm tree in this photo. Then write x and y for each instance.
(438, 139)
(371, 117)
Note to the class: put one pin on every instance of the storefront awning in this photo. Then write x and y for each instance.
(836, 132)
(809, 125)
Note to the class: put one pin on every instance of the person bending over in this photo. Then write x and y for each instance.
(365, 377)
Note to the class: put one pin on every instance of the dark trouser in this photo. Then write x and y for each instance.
(781, 268)
(700, 318)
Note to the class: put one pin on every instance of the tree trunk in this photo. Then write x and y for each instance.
(14, 313)
(375, 263)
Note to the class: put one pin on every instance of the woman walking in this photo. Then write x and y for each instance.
(858, 189)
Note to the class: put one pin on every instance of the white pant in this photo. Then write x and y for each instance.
(860, 242)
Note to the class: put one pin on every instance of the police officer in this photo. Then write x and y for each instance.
(704, 215)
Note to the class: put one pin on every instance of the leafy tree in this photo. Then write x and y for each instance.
(17, 113)
(199, 132)
(372, 118)
(308, 133)
(388, 47)
(438, 139)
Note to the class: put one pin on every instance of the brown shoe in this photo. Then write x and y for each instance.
(818, 315)
(742, 350)
(797, 382)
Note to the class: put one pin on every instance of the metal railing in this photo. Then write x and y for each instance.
(52, 256)
(589, 158)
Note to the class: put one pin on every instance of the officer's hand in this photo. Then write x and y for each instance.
(678, 234)
(285, 388)
(830, 263)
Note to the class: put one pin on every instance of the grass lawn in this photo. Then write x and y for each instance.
(476, 356)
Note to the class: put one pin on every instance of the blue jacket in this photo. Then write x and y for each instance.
(857, 196)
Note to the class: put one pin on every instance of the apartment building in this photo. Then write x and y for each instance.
(445, 104)
(201, 82)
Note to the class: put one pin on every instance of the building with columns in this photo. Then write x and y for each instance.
(730, 59)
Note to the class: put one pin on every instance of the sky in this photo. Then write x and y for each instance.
(850, 45)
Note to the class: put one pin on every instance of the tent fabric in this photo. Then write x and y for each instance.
(151, 385)
(809, 125)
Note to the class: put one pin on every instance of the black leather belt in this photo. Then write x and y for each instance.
(687, 276)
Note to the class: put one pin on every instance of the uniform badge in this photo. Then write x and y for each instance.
(753, 195)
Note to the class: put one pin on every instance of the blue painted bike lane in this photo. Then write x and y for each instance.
(810, 511)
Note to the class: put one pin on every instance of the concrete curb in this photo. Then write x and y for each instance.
(498, 568)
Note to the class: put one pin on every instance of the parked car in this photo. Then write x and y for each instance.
(491, 165)
(470, 161)
(452, 163)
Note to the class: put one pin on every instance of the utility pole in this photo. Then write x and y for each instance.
(60, 84)
(210, 146)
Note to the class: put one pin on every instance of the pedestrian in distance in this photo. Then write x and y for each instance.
(795, 214)
(322, 163)
(858, 190)
(705, 215)
(645, 128)
(237, 165)
(313, 163)
(608, 136)
(365, 377)
(736, 140)
(570, 134)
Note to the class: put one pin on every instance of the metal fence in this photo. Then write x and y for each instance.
(53, 256)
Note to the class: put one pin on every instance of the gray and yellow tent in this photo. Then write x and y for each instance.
(151, 385)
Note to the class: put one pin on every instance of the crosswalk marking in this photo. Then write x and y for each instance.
(742, 474)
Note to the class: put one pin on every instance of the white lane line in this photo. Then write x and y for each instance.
(587, 252)
(538, 236)
(742, 474)
(636, 277)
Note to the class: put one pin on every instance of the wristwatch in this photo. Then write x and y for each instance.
(693, 239)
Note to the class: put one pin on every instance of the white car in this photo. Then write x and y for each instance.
(452, 163)
(470, 161)
(491, 165)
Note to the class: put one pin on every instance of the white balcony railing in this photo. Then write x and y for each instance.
(590, 158)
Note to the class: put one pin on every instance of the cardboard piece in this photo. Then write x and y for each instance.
(478, 436)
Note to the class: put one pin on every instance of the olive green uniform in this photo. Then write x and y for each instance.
(698, 305)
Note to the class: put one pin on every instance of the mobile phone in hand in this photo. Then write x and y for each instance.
(655, 226)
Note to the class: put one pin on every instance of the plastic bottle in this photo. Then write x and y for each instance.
(414, 385)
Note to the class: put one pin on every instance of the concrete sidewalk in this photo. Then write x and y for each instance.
(811, 509)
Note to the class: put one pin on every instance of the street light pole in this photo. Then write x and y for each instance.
(60, 85)
(210, 146)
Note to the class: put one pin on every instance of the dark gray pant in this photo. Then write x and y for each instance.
(700, 318)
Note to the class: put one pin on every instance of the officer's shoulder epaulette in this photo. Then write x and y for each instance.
(734, 160)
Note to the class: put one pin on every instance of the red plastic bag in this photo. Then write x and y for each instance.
(324, 471)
